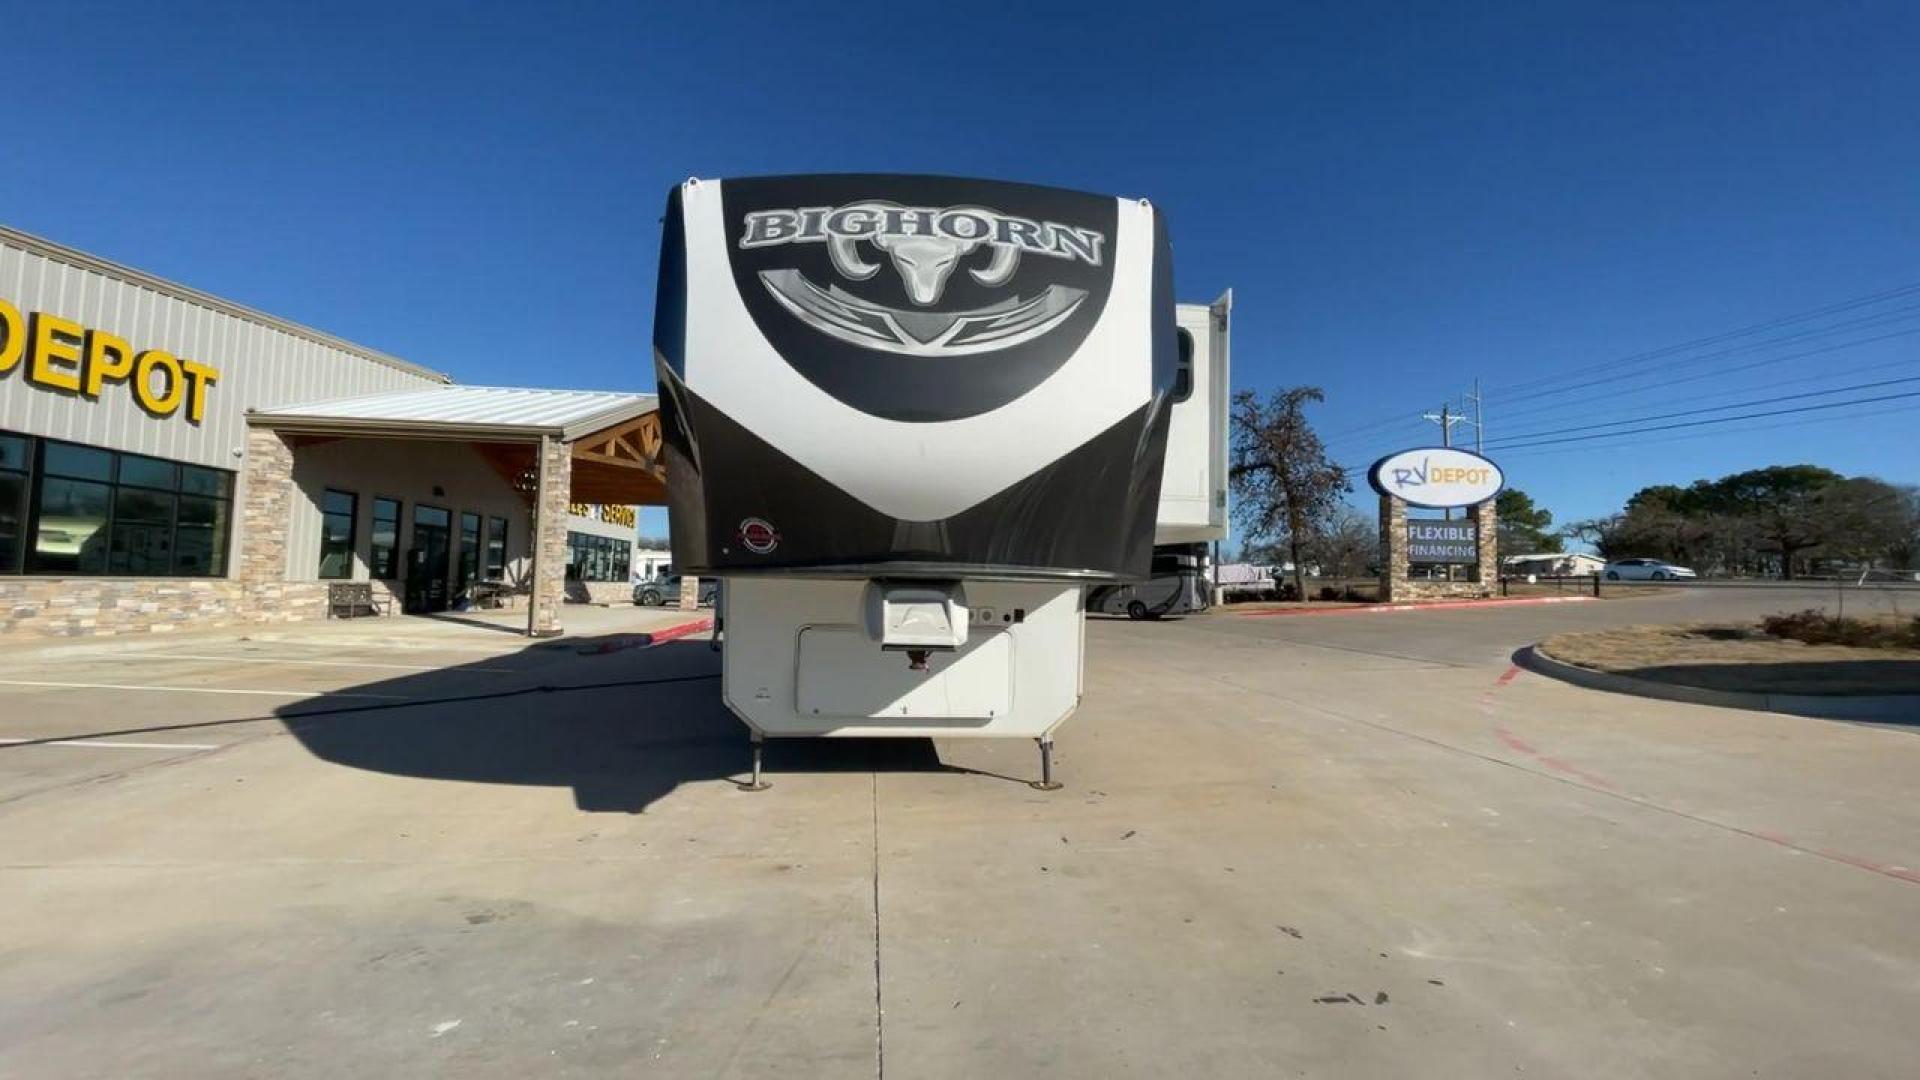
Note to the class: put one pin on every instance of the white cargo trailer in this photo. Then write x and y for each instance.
(907, 421)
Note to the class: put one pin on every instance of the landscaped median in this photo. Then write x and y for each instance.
(1807, 663)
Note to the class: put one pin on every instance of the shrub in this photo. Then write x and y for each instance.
(1815, 627)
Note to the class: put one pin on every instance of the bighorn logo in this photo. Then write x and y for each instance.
(926, 245)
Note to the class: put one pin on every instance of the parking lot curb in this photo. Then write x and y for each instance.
(1387, 609)
(644, 640)
(1904, 707)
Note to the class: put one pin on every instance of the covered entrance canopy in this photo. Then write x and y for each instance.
(555, 447)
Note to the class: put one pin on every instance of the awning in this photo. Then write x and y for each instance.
(614, 438)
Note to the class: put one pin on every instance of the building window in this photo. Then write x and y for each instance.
(384, 549)
(80, 510)
(496, 549)
(597, 558)
(13, 501)
(336, 533)
(469, 550)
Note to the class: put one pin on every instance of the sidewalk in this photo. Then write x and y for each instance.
(463, 631)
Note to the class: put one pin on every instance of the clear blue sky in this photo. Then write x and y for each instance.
(1401, 197)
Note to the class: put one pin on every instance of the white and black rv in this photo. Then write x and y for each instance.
(908, 420)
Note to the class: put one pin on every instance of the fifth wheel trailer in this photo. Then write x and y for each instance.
(908, 420)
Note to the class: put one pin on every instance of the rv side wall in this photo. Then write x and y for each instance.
(1193, 483)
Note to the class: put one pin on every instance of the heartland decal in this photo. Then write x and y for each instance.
(925, 246)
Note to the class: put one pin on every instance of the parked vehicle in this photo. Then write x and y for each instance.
(666, 590)
(1178, 587)
(1646, 570)
(1246, 581)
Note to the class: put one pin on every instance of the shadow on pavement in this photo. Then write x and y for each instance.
(1823, 678)
(621, 726)
(1880, 692)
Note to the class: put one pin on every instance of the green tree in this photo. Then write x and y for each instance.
(1285, 488)
(1523, 527)
(1782, 504)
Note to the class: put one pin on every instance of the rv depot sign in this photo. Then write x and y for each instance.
(1437, 478)
(1442, 543)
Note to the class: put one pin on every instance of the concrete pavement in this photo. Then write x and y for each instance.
(1310, 846)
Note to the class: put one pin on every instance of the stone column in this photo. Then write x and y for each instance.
(550, 501)
(689, 593)
(260, 555)
(1489, 544)
(1393, 550)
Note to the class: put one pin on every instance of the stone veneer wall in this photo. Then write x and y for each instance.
(604, 593)
(257, 591)
(1397, 587)
(550, 538)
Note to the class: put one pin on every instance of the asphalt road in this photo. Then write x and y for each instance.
(1351, 845)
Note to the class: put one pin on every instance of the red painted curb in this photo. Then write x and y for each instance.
(646, 640)
(1382, 609)
(680, 631)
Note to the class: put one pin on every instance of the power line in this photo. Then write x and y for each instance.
(1710, 408)
(1746, 331)
(1661, 388)
(1881, 319)
(1717, 420)
(1735, 369)
(1802, 422)
(1855, 303)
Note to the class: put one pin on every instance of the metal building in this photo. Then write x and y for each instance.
(168, 457)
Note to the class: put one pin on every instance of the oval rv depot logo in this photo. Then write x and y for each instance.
(1437, 478)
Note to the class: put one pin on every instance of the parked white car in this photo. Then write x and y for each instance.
(1646, 570)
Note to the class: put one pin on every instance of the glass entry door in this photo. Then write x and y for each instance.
(428, 560)
(469, 554)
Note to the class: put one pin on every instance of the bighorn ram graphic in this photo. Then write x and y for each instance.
(924, 261)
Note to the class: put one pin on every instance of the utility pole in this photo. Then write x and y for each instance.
(1479, 425)
(1446, 418)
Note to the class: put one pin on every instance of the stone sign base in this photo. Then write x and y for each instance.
(1396, 586)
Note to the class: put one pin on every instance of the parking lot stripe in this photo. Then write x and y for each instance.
(198, 689)
(325, 663)
(98, 744)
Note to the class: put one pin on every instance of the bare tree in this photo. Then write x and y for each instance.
(1284, 487)
(1347, 546)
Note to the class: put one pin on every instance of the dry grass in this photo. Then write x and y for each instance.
(1722, 657)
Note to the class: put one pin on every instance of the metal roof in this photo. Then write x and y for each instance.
(464, 411)
(98, 265)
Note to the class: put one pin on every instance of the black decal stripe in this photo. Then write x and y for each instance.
(1089, 514)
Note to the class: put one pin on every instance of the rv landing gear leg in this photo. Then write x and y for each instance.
(756, 784)
(1046, 781)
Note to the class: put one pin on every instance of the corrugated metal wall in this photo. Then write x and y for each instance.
(260, 365)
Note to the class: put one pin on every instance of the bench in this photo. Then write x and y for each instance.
(347, 599)
(488, 594)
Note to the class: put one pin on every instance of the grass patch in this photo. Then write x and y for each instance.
(1740, 657)
(1815, 627)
